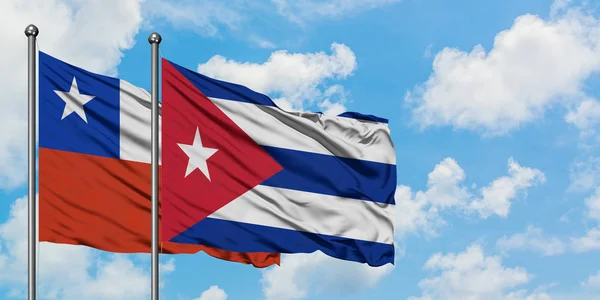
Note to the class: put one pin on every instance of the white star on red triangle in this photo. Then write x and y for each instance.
(197, 155)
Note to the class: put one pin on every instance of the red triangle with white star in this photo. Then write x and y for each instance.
(238, 165)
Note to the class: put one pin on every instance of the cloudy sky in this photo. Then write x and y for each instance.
(493, 109)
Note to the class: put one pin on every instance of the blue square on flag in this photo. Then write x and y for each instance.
(81, 109)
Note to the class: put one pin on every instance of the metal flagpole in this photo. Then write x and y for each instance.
(154, 39)
(31, 32)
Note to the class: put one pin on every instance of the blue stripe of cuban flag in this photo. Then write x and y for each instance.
(335, 192)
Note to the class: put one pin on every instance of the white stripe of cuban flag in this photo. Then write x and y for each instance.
(324, 213)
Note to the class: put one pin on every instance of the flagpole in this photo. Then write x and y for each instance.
(31, 32)
(154, 39)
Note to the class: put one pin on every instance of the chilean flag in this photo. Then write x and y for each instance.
(94, 165)
(241, 174)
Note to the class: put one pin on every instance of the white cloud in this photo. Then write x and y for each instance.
(559, 6)
(420, 211)
(168, 266)
(496, 197)
(202, 16)
(335, 98)
(214, 18)
(332, 108)
(415, 214)
(444, 188)
(117, 278)
(585, 175)
(213, 293)
(585, 117)
(472, 275)
(592, 282)
(524, 295)
(517, 80)
(297, 79)
(427, 53)
(67, 271)
(261, 42)
(589, 242)
(299, 274)
(301, 11)
(565, 217)
(534, 240)
(592, 204)
(76, 31)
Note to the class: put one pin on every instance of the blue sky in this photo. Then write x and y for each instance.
(493, 109)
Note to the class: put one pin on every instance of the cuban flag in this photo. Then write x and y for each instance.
(94, 165)
(241, 174)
